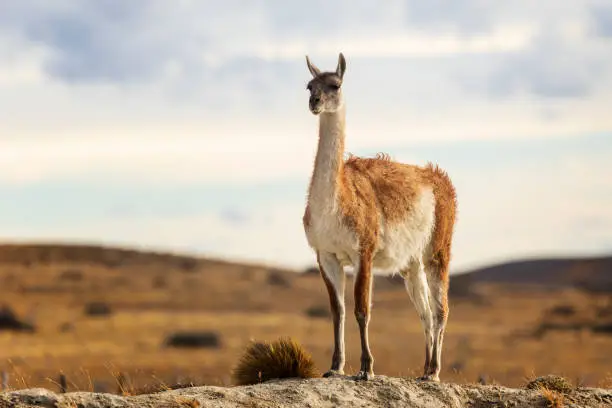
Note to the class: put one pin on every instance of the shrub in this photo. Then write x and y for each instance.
(313, 270)
(604, 311)
(318, 312)
(461, 286)
(284, 358)
(71, 275)
(188, 264)
(65, 327)
(545, 327)
(278, 279)
(112, 262)
(604, 328)
(97, 309)
(563, 310)
(10, 321)
(159, 282)
(10, 278)
(550, 382)
(205, 339)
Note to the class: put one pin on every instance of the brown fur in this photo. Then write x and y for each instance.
(333, 299)
(373, 187)
(363, 292)
(446, 208)
(368, 191)
(327, 78)
(363, 282)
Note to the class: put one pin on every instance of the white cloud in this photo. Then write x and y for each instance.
(158, 93)
(272, 235)
(250, 149)
(515, 200)
(20, 63)
(156, 154)
(505, 212)
(408, 44)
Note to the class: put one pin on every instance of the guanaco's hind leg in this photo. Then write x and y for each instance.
(334, 278)
(438, 288)
(363, 295)
(417, 286)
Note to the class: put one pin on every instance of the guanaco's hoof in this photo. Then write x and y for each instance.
(429, 377)
(333, 373)
(364, 376)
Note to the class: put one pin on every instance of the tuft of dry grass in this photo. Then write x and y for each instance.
(553, 398)
(125, 386)
(551, 382)
(606, 382)
(284, 358)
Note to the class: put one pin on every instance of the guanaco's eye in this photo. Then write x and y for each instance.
(334, 87)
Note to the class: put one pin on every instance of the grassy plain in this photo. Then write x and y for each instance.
(492, 334)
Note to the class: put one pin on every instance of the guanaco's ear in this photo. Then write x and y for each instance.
(312, 68)
(341, 66)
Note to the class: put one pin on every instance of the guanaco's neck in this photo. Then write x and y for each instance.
(329, 160)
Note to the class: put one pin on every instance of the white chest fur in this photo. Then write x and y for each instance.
(326, 233)
(399, 243)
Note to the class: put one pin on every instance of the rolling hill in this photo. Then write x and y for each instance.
(591, 274)
(92, 312)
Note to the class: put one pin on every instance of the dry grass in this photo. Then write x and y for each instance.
(553, 388)
(200, 298)
(606, 382)
(284, 358)
(551, 382)
(66, 403)
(553, 399)
(185, 402)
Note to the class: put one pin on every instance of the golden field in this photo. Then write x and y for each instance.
(497, 332)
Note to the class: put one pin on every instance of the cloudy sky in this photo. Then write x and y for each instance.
(183, 125)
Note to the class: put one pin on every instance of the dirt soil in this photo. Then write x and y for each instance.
(335, 392)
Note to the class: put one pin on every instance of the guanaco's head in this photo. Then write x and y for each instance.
(325, 87)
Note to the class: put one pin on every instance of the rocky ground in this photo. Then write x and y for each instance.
(337, 392)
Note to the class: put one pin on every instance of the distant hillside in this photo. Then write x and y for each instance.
(593, 274)
(31, 254)
(92, 312)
